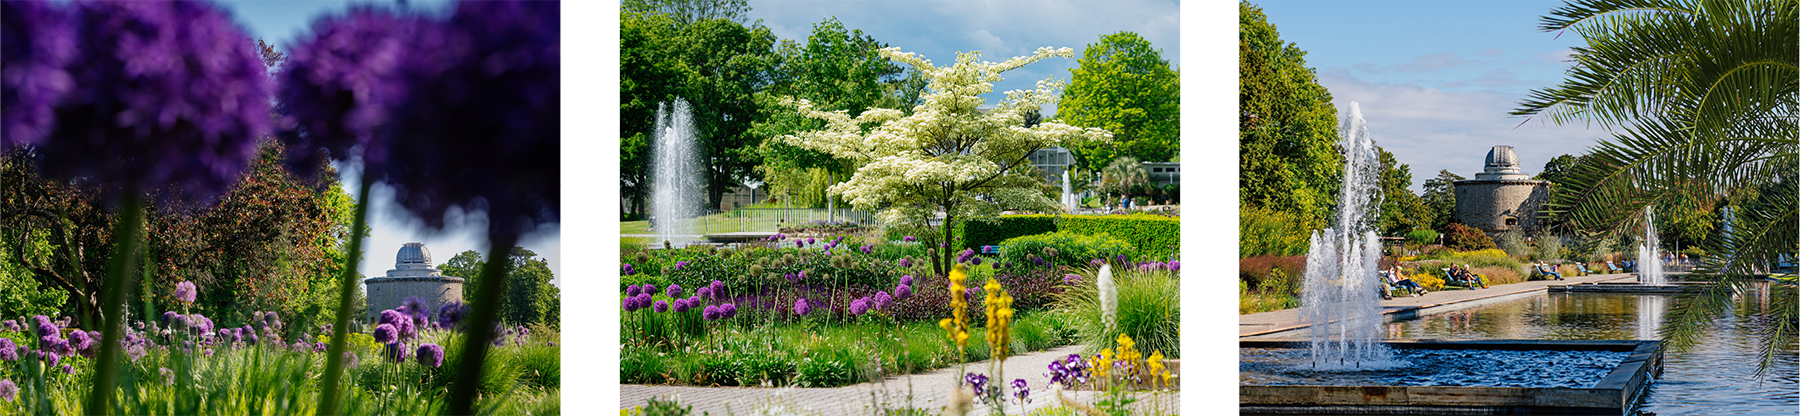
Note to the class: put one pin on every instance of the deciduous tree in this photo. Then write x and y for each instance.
(1124, 86)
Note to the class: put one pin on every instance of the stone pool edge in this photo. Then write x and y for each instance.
(1616, 394)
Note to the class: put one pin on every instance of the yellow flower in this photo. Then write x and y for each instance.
(957, 327)
(1156, 368)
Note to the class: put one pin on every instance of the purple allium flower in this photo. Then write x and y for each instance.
(1072, 279)
(1039, 261)
(906, 280)
(431, 355)
(910, 239)
(903, 292)
(342, 82)
(802, 275)
(1174, 265)
(799, 244)
(10, 325)
(661, 306)
(136, 350)
(703, 291)
(166, 93)
(8, 350)
(680, 264)
(681, 305)
(1122, 260)
(416, 308)
(451, 315)
(975, 260)
(859, 306)
(45, 327)
(694, 301)
(39, 44)
(185, 292)
(718, 288)
(801, 307)
(628, 270)
(883, 301)
(51, 358)
(394, 352)
(386, 333)
(79, 341)
(633, 290)
(1096, 263)
(200, 323)
(967, 253)
(727, 311)
(674, 290)
(643, 300)
(9, 390)
(809, 240)
(905, 263)
(272, 319)
(711, 313)
(648, 289)
(351, 359)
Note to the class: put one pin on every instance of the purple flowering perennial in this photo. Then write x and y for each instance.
(8, 350)
(727, 311)
(185, 292)
(394, 352)
(633, 290)
(416, 308)
(662, 306)
(451, 315)
(386, 333)
(910, 239)
(343, 82)
(1174, 266)
(711, 313)
(859, 306)
(9, 391)
(801, 307)
(903, 291)
(674, 290)
(37, 42)
(883, 301)
(431, 355)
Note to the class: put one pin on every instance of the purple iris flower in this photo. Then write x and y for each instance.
(1020, 391)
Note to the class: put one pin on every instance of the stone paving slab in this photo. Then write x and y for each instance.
(929, 390)
(1289, 319)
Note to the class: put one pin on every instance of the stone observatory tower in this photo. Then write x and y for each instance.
(412, 275)
(1501, 198)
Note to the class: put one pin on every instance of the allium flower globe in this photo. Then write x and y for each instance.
(418, 309)
(185, 292)
(395, 352)
(674, 290)
(727, 311)
(681, 305)
(883, 301)
(8, 350)
(342, 83)
(711, 313)
(633, 290)
(9, 390)
(662, 306)
(801, 307)
(859, 306)
(903, 291)
(385, 333)
(37, 42)
(451, 315)
(431, 355)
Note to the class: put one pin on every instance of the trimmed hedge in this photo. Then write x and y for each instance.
(1072, 249)
(974, 234)
(1156, 237)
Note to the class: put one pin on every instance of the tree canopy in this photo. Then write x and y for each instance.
(1288, 159)
(530, 297)
(836, 69)
(1440, 199)
(1124, 86)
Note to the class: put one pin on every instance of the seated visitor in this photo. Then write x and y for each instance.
(1392, 278)
(1547, 270)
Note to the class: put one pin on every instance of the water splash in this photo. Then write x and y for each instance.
(1649, 260)
(1341, 299)
(674, 172)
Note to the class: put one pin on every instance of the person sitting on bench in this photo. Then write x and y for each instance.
(1391, 277)
(1547, 270)
(1469, 279)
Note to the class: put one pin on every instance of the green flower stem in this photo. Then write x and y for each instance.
(482, 318)
(127, 236)
(340, 331)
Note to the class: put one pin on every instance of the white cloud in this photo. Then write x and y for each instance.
(1432, 129)
(990, 46)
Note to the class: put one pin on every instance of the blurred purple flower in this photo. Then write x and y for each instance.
(482, 123)
(1096, 263)
(51, 358)
(661, 306)
(185, 292)
(416, 308)
(909, 239)
(633, 290)
(431, 355)
(45, 327)
(385, 333)
(809, 240)
(167, 93)
(8, 350)
(859, 306)
(905, 263)
(975, 261)
(711, 313)
(718, 288)
(883, 301)
(1020, 391)
(801, 307)
(9, 325)
(1174, 265)
(628, 270)
(674, 290)
(727, 311)
(680, 264)
(451, 315)
(395, 352)
(648, 289)
(9, 391)
(681, 305)
(903, 291)
(1122, 260)
(342, 83)
(965, 256)
(703, 291)
(79, 341)
(37, 42)
(1072, 279)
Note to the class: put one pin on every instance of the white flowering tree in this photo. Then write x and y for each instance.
(949, 156)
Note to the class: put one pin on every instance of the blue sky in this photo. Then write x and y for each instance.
(1436, 79)
(283, 23)
(999, 29)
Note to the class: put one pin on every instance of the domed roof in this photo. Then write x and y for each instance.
(1502, 165)
(412, 256)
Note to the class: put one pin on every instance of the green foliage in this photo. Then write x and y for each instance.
(1072, 249)
(1401, 210)
(529, 298)
(1422, 237)
(1462, 237)
(1123, 85)
(1122, 176)
(976, 233)
(1288, 159)
(1440, 199)
(1149, 310)
(20, 293)
(1550, 247)
(687, 12)
(1264, 232)
(1514, 243)
(1155, 237)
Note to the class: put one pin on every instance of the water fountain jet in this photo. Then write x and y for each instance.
(1341, 299)
(674, 173)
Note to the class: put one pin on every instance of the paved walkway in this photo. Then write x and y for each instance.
(1288, 319)
(924, 391)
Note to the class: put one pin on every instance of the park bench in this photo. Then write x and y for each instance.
(1451, 279)
(990, 249)
(1583, 268)
(1610, 268)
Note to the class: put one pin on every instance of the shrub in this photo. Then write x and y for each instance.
(1271, 233)
(975, 234)
(1070, 249)
(1430, 281)
(1255, 271)
(1514, 243)
(1156, 237)
(1421, 237)
(1550, 247)
(1149, 310)
(1497, 275)
(1461, 237)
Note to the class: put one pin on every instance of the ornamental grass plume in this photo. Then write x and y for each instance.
(1109, 298)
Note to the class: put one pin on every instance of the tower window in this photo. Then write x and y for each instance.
(1512, 222)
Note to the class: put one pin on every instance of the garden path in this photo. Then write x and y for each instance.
(923, 391)
(1289, 319)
